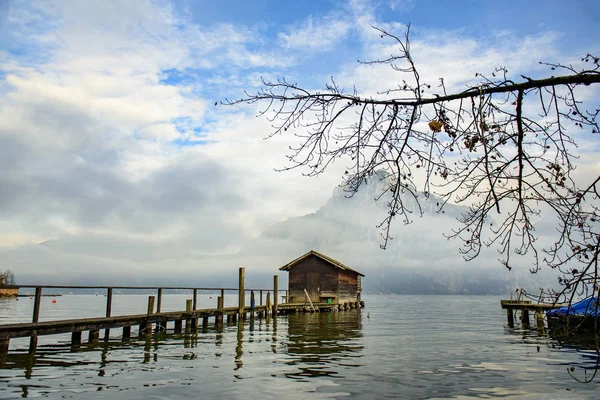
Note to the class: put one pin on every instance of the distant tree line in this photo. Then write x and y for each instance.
(7, 277)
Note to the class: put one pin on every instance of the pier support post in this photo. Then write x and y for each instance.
(4, 344)
(219, 316)
(525, 319)
(159, 301)
(510, 318)
(109, 294)
(178, 326)
(275, 293)
(189, 323)
(205, 322)
(160, 326)
(539, 319)
(126, 332)
(94, 336)
(252, 305)
(148, 327)
(242, 294)
(75, 338)
(35, 318)
(195, 305)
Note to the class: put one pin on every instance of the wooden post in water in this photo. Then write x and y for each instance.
(159, 301)
(219, 316)
(160, 326)
(525, 319)
(75, 338)
(268, 304)
(178, 326)
(261, 303)
(35, 318)
(188, 309)
(539, 319)
(126, 332)
(4, 345)
(36, 304)
(195, 306)
(109, 293)
(242, 294)
(94, 336)
(252, 305)
(510, 318)
(275, 293)
(148, 328)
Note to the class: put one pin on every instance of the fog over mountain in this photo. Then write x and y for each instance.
(419, 259)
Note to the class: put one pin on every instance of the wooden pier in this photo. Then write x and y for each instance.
(525, 306)
(156, 320)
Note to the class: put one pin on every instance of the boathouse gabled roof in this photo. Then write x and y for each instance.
(334, 263)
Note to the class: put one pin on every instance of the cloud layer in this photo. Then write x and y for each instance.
(113, 154)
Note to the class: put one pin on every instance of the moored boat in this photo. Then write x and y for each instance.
(581, 317)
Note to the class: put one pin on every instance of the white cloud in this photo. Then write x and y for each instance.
(315, 34)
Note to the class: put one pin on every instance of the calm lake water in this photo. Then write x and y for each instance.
(414, 347)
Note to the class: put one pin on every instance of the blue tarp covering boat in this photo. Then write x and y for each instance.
(585, 308)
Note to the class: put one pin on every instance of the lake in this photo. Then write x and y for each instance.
(414, 347)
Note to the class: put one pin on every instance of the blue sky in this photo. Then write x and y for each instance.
(109, 133)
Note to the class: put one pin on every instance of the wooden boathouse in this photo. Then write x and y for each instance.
(317, 278)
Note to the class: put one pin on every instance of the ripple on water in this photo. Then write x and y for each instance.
(398, 352)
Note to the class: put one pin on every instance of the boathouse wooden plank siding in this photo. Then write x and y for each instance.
(323, 278)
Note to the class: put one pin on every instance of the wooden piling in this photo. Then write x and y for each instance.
(159, 300)
(109, 294)
(4, 345)
(242, 293)
(126, 332)
(219, 314)
(275, 293)
(510, 318)
(76, 338)
(539, 319)
(195, 306)
(148, 327)
(252, 304)
(525, 319)
(268, 304)
(178, 326)
(205, 322)
(94, 336)
(151, 305)
(188, 309)
(36, 304)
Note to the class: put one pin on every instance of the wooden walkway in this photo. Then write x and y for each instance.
(155, 320)
(525, 306)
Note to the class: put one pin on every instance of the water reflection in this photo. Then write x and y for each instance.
(583, 367)
(324, 344)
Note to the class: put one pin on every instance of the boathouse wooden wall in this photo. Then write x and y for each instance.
(322, 280)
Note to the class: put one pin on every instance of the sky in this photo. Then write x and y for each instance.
(112, 148)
